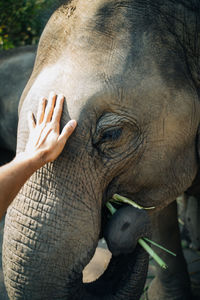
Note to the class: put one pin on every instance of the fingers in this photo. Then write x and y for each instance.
(52, 110)
(50, 107)
(58, 109)
(45, 134)
(49, 114)
(31, 121)
(41, 110)
(67, 131)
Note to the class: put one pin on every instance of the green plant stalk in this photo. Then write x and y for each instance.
(123, 199)
(146, 247)
(159, 246)
(142, 243)
(180, 221)
(111, 208)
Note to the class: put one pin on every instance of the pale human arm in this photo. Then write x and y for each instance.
(44, 145)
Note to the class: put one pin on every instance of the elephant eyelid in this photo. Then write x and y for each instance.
(110, 134)
(113, 120)
(110, 127)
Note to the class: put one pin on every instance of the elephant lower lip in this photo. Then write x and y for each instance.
(98, 264)
(123, 273)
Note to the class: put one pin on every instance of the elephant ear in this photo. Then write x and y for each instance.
(198, 144)
(194, 189)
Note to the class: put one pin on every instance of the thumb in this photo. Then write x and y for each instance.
(67, 131)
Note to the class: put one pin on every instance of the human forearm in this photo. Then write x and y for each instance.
(12, 177)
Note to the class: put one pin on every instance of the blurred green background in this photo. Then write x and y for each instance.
(21, 21)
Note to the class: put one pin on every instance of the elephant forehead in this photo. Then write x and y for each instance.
(144, 96)
(105, 60)
(80, 81)
(97, 33)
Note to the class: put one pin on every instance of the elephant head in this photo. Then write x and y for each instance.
(127, 83)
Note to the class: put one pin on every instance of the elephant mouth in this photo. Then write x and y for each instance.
(123, 270)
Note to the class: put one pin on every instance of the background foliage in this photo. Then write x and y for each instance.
(21, 21)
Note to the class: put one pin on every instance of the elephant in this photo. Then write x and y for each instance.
(129, 70)
(15, 68)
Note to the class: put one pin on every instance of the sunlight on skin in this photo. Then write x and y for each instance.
(44, 145)
(60, 76)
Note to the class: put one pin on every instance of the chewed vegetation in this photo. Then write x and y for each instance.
(142, 241)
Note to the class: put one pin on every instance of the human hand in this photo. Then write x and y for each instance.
(45, 142)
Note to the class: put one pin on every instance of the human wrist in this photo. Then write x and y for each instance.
(39, 158)
(33, 160)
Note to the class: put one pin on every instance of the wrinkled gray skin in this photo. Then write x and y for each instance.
(129, 71)
(16, 66)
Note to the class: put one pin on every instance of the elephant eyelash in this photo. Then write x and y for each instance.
(109, 135)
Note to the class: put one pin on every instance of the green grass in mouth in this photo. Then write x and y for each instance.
(142, 241)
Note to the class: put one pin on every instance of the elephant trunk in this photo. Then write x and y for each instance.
(51, 233)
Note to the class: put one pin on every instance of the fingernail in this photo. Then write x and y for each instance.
(72, 123)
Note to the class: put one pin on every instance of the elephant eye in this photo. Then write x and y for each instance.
(114, 135)
(110, 135)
